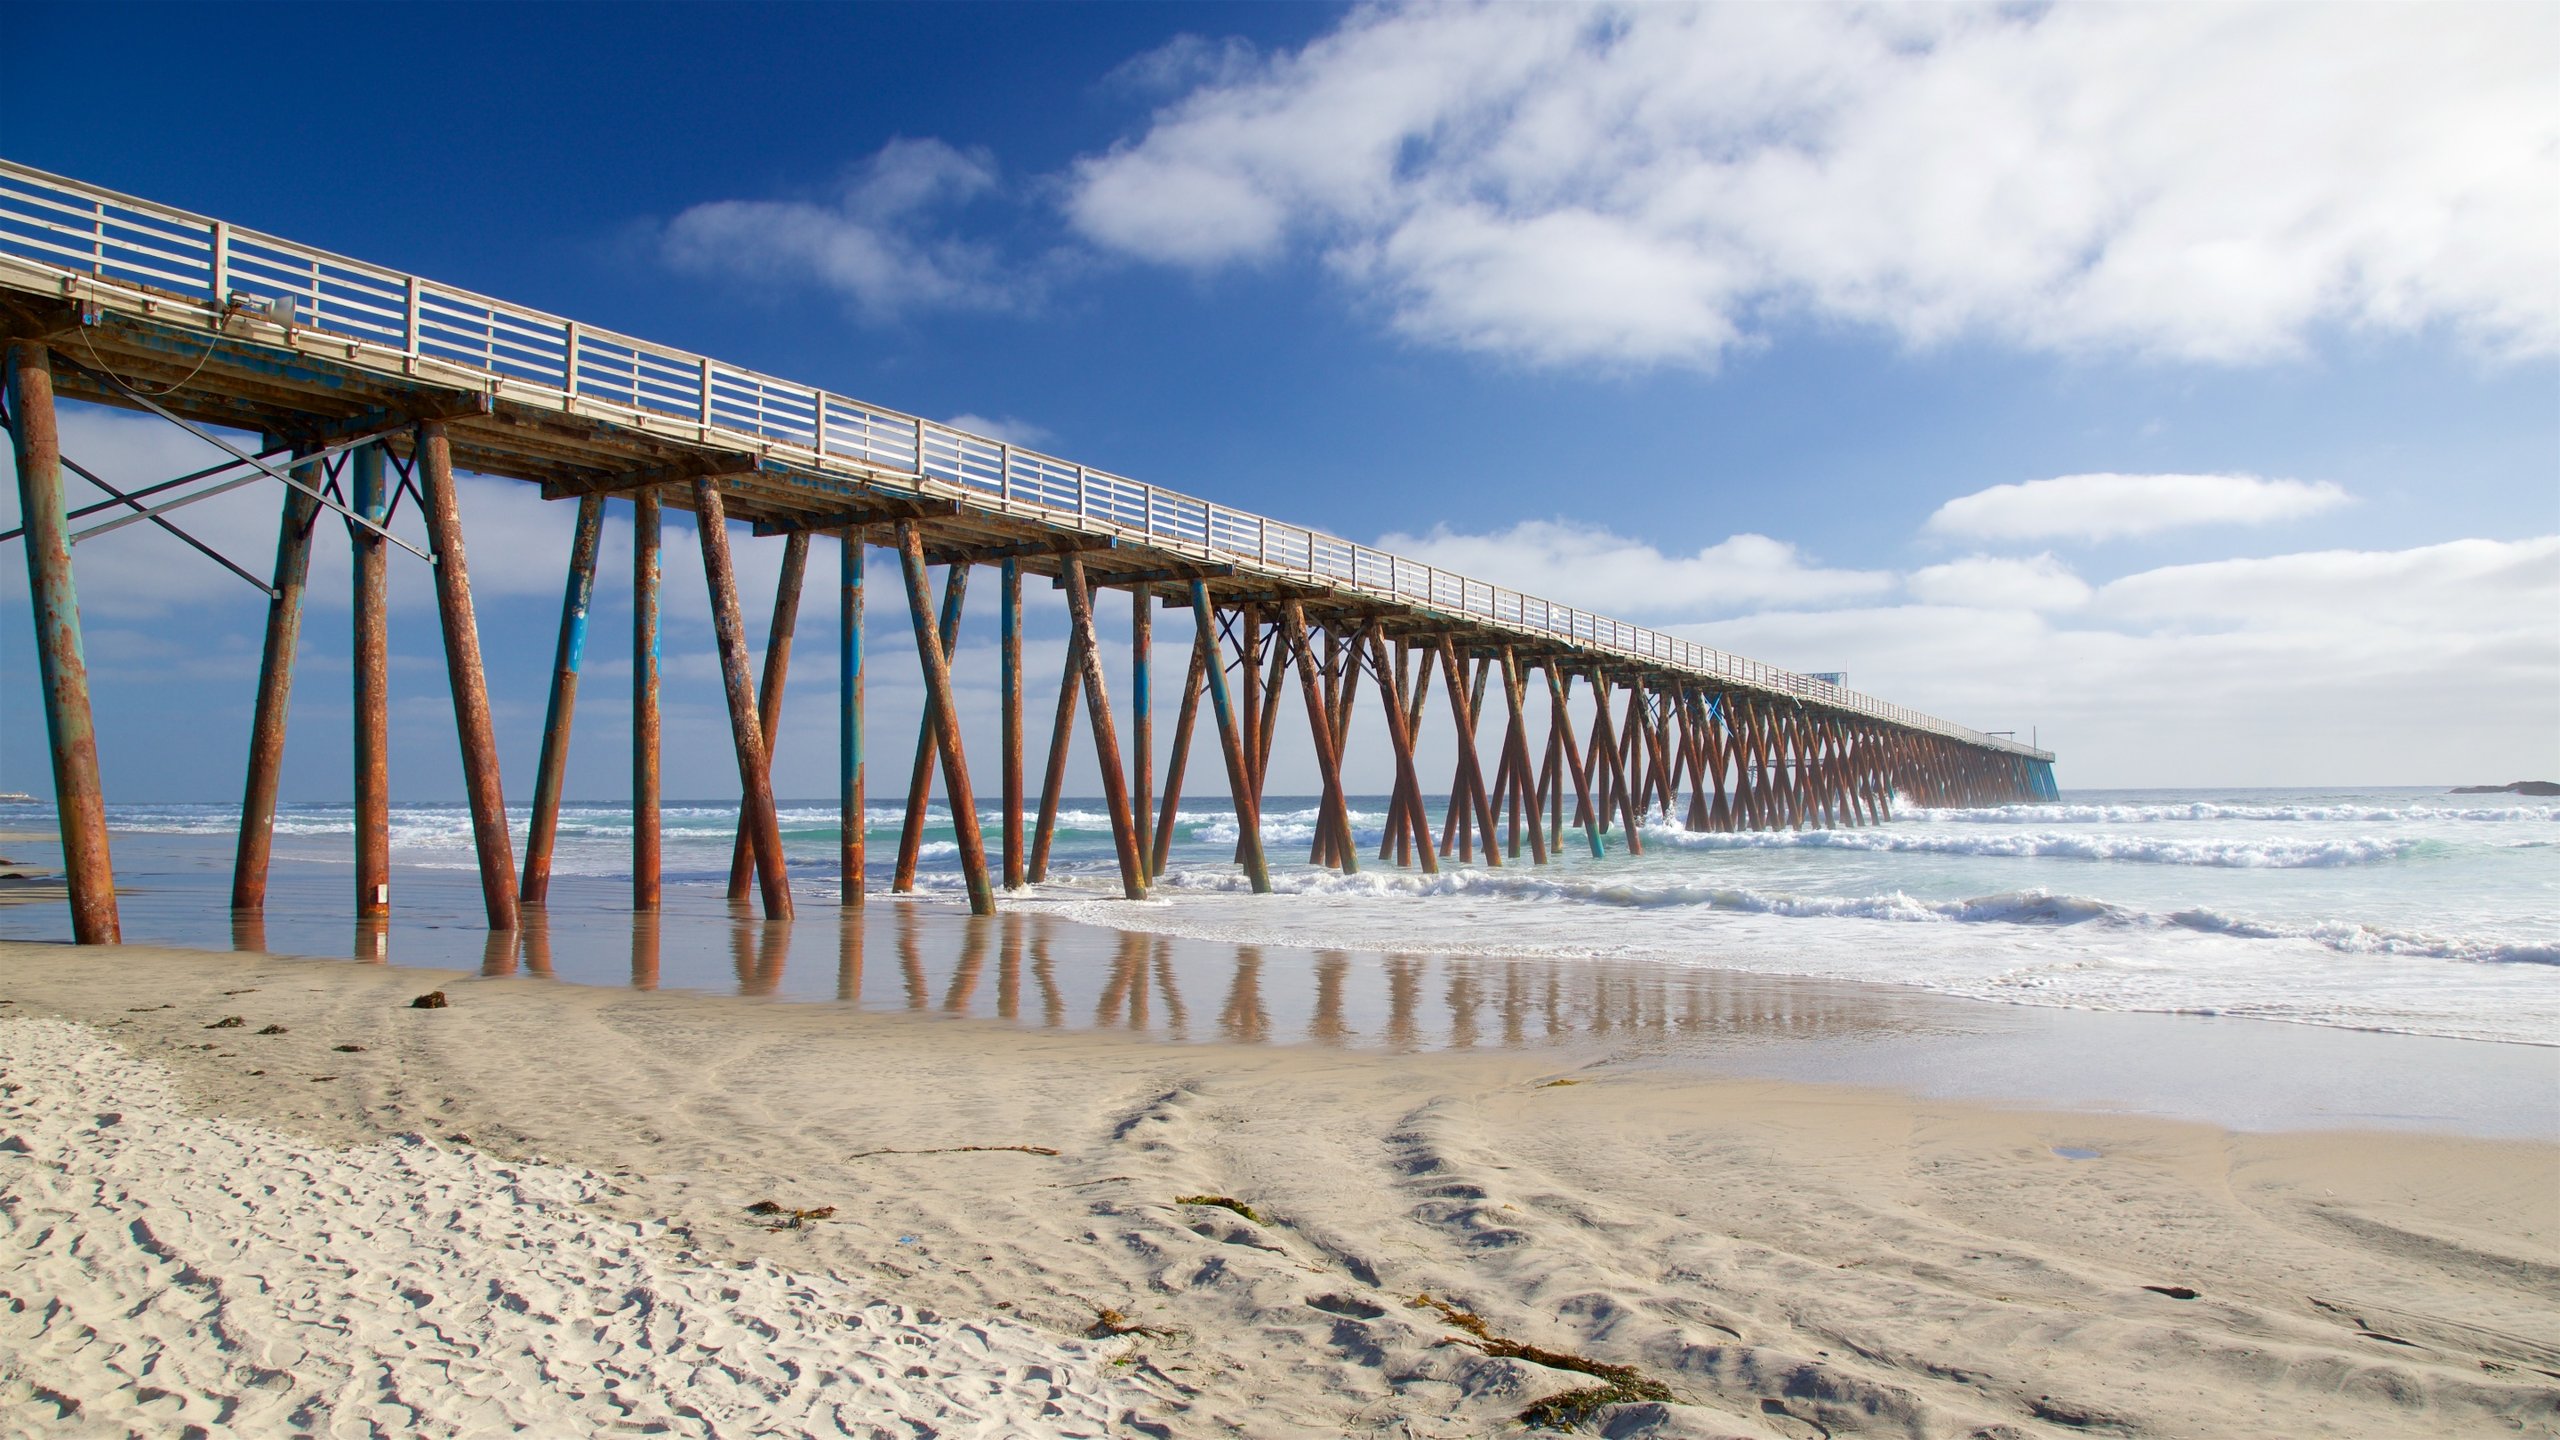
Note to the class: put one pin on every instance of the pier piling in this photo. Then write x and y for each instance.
(470, 682)
(942, 711)
(543, 828)
(1231, 746)
(646, 569)
(746, 728)
(256, 843)
(372, 684)
(955, 594)
(1009, 701)
(1106, 743)
(851, 818)
(79, 799)
(777, 672)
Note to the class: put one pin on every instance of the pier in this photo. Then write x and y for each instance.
(369, 389)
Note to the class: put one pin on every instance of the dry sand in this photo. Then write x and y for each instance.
(1774, 1260)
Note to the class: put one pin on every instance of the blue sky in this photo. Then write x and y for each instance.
(2180, 383)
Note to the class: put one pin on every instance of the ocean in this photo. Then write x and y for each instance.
(2398, 910)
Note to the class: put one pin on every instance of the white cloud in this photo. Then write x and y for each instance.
(1181, 62)
(2107, 507)
(1998, 583)
(1011, 429)
(1654, 183)
(871, 243)
(2461, 587)
(2310, 669)
(2305, 669)
(1588, 567)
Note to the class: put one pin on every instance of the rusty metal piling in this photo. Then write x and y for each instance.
(544, 827)
(275, 694)
(470, 682)
(943, 712)
(850, 822)
(777, 672)
(1009, 700)
(372, 686)
(646, 566)
(746, 729)
(79, 800)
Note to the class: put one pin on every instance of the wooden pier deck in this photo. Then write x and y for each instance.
(390, 382)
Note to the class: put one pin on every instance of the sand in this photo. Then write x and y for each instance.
(1764, 1259)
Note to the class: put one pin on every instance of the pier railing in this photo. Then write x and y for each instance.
(86, 242)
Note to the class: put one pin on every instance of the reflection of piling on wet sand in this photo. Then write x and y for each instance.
(1126, 991)
(911, 957)
(1026, 967)
(1331, 966)
(964, 975)
(758, 950)
(1244, 1020)
(849, 956)
(498, 953)
(537, 940)
(1009, 972)
(644, 950)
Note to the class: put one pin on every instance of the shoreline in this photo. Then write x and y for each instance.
(1777, 1254)
(1034, 969)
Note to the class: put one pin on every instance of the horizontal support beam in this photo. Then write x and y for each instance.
(883, 512)
(1048, 545)
(716, 466)
(450, 405)
(1165, 575)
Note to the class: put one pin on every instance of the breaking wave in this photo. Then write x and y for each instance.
(2019, 907)
(2210, 811)
(2056, 844)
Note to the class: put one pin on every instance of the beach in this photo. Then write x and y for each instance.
(1199, 1239)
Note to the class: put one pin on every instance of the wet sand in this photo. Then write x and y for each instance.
(1772, 1257)
(1032, 969)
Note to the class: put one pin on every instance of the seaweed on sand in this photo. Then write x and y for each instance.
(1619, 1384)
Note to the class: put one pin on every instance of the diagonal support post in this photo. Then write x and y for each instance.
(1106, 743)
(1333, 810)
(944, 711)
(470, 683)
(1202, 645)
(543, 830)
(777, 673)
(1470, 769)
(746, 729)
(955, 599)
(1404, 808)
(1231, 744)
(1586, 814)
(1053, 780)
(275, 696)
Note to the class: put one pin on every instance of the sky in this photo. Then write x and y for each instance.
(2177, 385)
